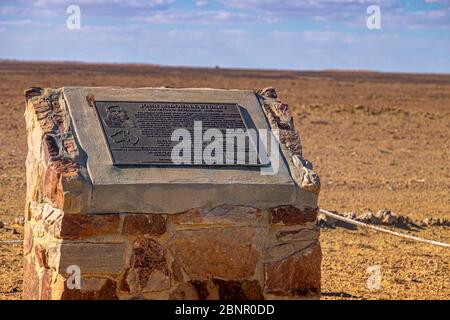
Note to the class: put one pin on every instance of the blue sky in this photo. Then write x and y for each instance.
(273, 34)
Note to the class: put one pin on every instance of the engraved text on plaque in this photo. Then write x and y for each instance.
(140, 133)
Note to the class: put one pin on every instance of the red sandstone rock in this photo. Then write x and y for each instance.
(52, 182)
(227, 253)
(219, 289)
(28, 239)
(220, 216)
(289, 215)
(185, 291)
(30, 280)
(70, 146)
(78, 226)
(149, 271)
(41, 256)
(298, 235)
(32, 92)
(176, 271)
(239, 290)
(269, 92)
(91, 289)
(297, 275)
(144, 224)
(206, 289)
(46, 285)
(291, 140)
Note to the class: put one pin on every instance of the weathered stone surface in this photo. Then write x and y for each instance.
(50, 148)
(239, 290)
(217, 289)
(52, 183)
(291, 140)
(148, 268)
(27, 239)
(280, 118)
(206, 289)
(280, 251)
(185, 291)
(105, 258)
(144, 224)
(32, 92)
(146, 280)
(311, 181)
(31, 287)
(219, 216)
(226, 253)
(91, 289)
(303, 234)
(289, 215)
(78, 226)
(177, 272)
(41, 256)
(46, 285)
(52, 219)
(297, 275)
(269, 92)
(54, 169)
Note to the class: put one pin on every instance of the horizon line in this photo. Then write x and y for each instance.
(337, 70)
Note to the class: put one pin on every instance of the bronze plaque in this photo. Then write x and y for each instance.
(141, 133)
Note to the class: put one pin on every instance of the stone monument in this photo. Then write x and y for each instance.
(113, 212)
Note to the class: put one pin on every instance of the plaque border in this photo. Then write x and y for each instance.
(172, 165)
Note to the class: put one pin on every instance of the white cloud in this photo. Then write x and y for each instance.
(201, 3)
(202, 17)
(437, 1)
(88, 7)
(24, 23)
(351, 12)
(310, 7)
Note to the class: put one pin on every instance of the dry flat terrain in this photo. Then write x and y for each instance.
(377, 140)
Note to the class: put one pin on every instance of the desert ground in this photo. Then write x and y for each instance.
(377, 141)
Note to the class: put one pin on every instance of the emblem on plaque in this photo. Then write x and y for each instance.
(124, 136)
(117, 117)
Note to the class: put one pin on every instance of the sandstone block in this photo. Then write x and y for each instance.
(46, 285)
(148, 271)
(41, 256)
(289, 215)
(92, 258)
(297, 275)
(31, 281)
(27, 239)
(239, 290)
(144, 224)
(217, 289)
(91, 289)
(220, 216)
(304, 234)
(226, 253)
(52, 181)
(78, 226)
(283, 250)
(185, 291)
